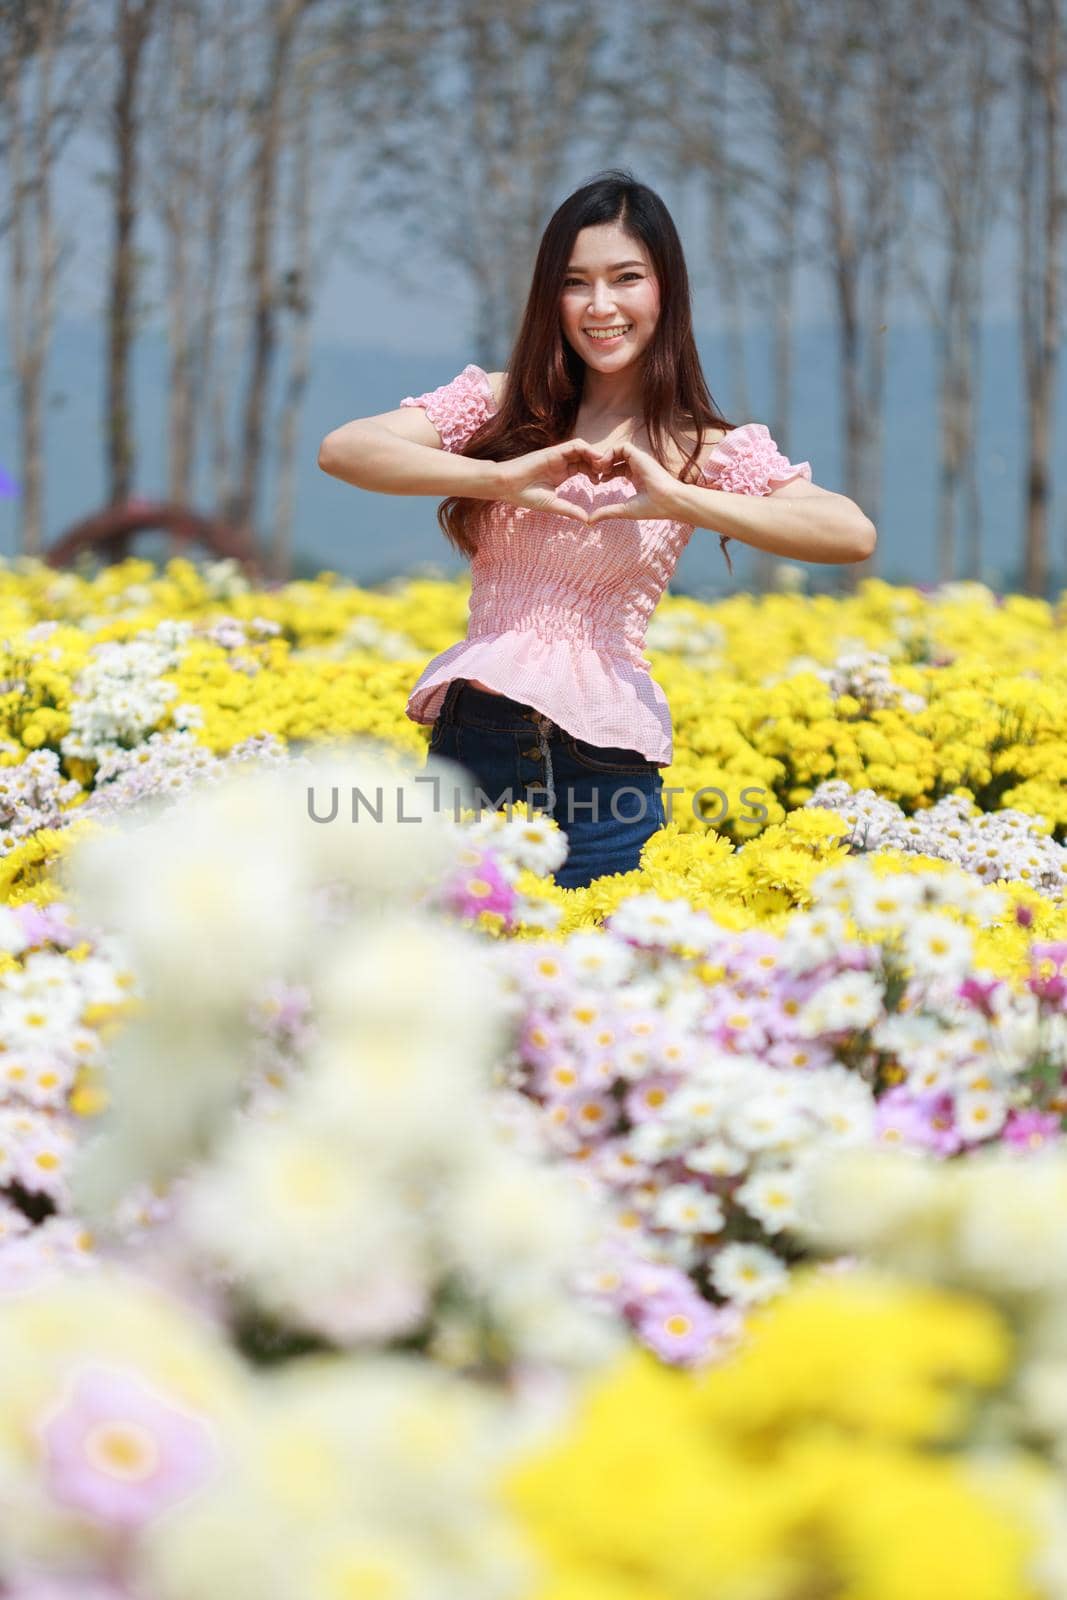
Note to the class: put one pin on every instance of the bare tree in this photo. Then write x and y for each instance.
(862, 81)
(176, 139)
(218, 337)
(773, 65)
(727, 187)
(282, 20)
(37, 117)
(485, 106)
(134, 20)
(298, 302)
(194, 142)
(705, 136)
(1041, 197)
(958, 164)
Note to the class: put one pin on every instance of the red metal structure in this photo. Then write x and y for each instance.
(108, 533)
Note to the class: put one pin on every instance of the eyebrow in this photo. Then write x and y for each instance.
(618, 265)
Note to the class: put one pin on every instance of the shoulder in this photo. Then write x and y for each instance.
(747, 460)
(497, 383)
(459, 407)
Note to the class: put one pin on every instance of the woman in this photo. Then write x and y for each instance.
(574, 481)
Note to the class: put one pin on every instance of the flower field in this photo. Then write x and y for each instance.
(381, 1221)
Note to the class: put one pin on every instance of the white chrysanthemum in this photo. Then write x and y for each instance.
(851, 1000)
(727, 1071)
(42, 1018)
(747, 1273)
(648, 919)
(880, 903)
(835, 886)
(810, 938)
(655, 1140)
(960, 891)
(843, 1104)
(283, 1192)
(771, 1197)
(12, 939)
(600, 958)
(397, 1055)
(99, 974)
(929, 1073)
(935, 944)
(716, 1159)
(979, 1114)
(902, 1032)
(1016, 1033)
(534, 843)
(765, 1123)
(699, 1108)
(122, 692)
(195, 894)
(511, 1217)
(688, 1208)
(676, 1249)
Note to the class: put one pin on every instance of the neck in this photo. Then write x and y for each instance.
(613, 394)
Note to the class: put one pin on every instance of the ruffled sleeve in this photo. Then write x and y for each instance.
(748, 461)
(457, 409)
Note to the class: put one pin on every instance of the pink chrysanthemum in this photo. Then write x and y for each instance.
(1031, 1130)
(481, 887)
(120, 1451)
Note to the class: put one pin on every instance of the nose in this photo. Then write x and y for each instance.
(601, 301)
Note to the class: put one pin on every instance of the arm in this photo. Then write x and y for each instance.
(798, 521)
(401, 452)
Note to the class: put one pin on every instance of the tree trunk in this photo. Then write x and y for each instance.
(1043, 213)
(260, 273)
(299, 305)
(34, 255)
(181, 129)
(134, 23)
(217, 355)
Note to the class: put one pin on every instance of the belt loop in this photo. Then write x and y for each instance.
(448, 704)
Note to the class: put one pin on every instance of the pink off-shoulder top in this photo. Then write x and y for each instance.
(558, 610)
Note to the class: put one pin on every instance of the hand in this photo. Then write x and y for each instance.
(531, 480)
(657, 489)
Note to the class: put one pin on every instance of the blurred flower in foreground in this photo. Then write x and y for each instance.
(828, 1456)
(371, 1197)
(136, 1446)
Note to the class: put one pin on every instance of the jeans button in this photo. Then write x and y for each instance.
(533, 753)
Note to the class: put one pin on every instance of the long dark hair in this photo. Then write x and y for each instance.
(545, 376)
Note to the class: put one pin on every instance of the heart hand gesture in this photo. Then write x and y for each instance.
(531, 480)
(657, 489)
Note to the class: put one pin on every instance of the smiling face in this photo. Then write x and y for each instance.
(610, 285)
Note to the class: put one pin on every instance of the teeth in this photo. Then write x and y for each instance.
(608, 333)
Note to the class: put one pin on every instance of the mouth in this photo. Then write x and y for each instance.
(608, 335)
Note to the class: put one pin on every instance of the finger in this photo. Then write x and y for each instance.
(567, 508)
(582, 450)
(621, 508)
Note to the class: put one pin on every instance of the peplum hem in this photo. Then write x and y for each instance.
(595, 694)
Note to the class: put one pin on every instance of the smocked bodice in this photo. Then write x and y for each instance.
(559, 608)
(590, 585)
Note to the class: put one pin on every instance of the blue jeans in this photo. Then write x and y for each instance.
(607, 801)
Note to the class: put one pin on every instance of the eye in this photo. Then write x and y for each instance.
(568, 281)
